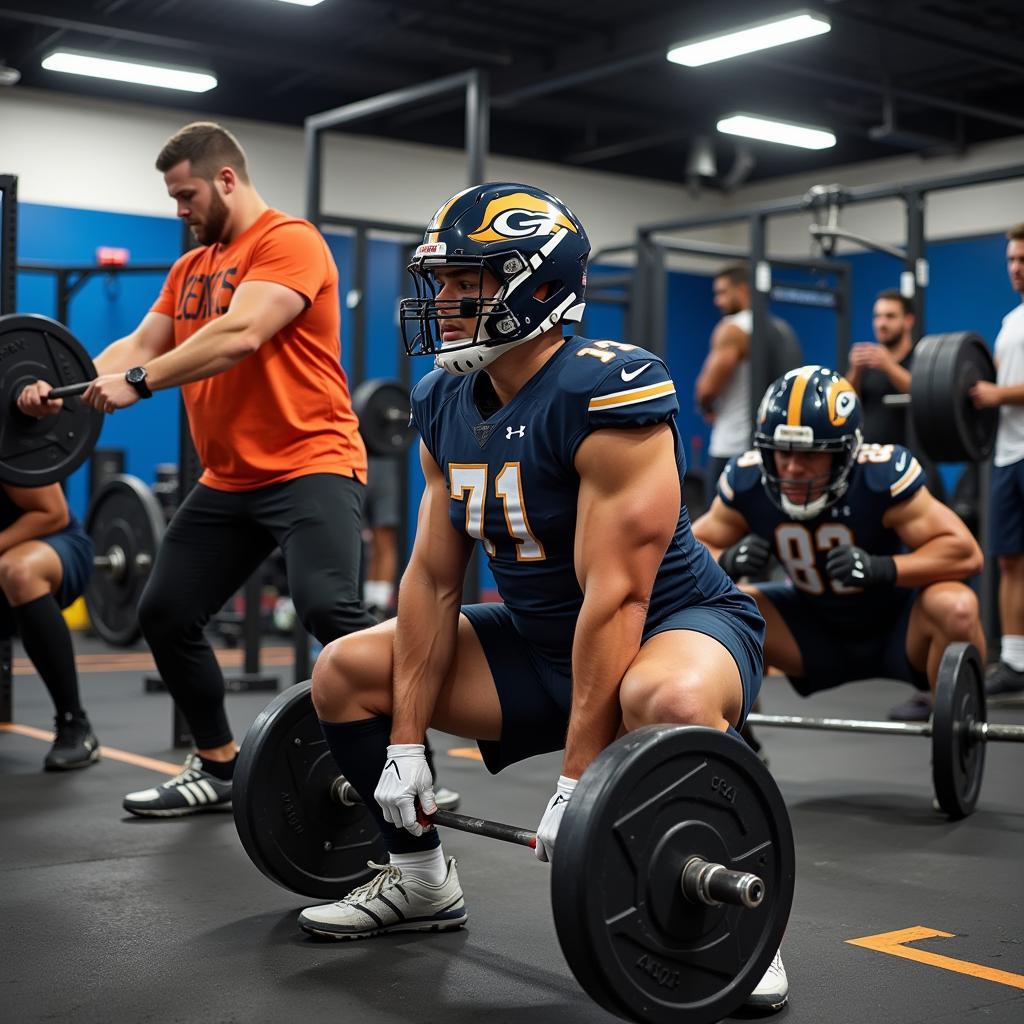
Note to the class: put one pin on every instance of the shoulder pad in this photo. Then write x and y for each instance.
(741, 475)
(890, 469)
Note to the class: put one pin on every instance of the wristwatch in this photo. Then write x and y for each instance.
(136, 376)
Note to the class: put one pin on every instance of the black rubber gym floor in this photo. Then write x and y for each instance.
(105, 918)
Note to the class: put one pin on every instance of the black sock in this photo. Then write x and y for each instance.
(220, 769)
(360, 750)
(47, 641)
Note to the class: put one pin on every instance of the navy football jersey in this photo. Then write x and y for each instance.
(514, 488)
(882, 476)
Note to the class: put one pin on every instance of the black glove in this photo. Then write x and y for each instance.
(747, 557)
(854, 567)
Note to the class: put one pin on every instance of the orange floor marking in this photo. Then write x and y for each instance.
(472, 753)
(894, 943)
(109, 752)
(134, 661)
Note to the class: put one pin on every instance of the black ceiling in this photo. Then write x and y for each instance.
(576, 82)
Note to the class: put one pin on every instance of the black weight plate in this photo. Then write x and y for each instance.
(945, 368)
(125, 516)
(383, 408)
(958, 756)
(37, 452)
(292, 829)
(648, 802)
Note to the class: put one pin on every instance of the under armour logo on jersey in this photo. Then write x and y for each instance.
(510, 432)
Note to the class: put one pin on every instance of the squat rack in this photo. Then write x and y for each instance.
(824, 203)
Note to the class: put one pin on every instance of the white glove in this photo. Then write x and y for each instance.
(548, 827)
(406, 778)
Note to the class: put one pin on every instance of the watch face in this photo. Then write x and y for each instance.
(136, 375)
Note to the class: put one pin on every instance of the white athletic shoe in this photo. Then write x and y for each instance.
(390, 902)
(772, 990)
(446, 799)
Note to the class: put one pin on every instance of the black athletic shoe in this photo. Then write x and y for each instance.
(1004, 681)
(74, 745)
(747, 732)
(917, 708)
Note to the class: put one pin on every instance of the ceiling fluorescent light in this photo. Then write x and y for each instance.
(767, 130)
(303, 3)
(798, 25)
(130, 71)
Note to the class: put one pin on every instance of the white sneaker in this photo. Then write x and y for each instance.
(391, 902)
(772, 990)
(446, 799)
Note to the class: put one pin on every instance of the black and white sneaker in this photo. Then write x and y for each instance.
(190, 792)
(1004, 681)
(74, 745)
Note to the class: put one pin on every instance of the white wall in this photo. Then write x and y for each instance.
(70, 151)
(81, 152)
(978, 209)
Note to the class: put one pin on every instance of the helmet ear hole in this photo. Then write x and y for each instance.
(547, 289)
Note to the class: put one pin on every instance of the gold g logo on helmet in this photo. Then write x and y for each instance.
(842, 400)
(519, 216)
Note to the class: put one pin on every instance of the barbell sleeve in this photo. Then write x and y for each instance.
(705, 882)
(896, 399)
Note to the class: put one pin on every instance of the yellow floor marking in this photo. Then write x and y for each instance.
(112, 753)
(894, 943)
(472, 753)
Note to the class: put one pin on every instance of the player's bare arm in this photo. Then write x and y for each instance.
(628, 507)
(429, 598)
(941, 546)
(729, 346)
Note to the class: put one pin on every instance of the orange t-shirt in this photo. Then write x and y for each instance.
(285, 410)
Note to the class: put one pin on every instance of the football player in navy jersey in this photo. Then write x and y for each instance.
(874, 562)
(560, 456)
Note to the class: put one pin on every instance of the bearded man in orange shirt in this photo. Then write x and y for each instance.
(248, 326)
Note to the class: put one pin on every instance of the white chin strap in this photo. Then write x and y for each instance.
(467, 359)
(807, 511)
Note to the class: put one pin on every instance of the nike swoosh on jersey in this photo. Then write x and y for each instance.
(901, 462)
(629, 375)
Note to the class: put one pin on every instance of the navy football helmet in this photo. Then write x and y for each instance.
(527, 239)
(812, 409)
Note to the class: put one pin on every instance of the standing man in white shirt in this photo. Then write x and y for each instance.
(1006, 511)
(722, 391)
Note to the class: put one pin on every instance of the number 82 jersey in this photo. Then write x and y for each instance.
(882, 476)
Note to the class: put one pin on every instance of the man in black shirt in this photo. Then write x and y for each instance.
(878, 369)
(883, 369)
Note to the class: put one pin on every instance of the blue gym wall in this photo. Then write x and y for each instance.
(968, 289)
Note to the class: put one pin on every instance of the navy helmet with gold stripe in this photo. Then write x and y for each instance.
(810, 409)
(533, 245)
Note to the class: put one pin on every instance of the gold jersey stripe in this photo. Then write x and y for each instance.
(632, 396)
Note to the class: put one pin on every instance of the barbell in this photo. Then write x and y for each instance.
(958, 729)
(671, 884)
(946, 423)
(124, 519)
